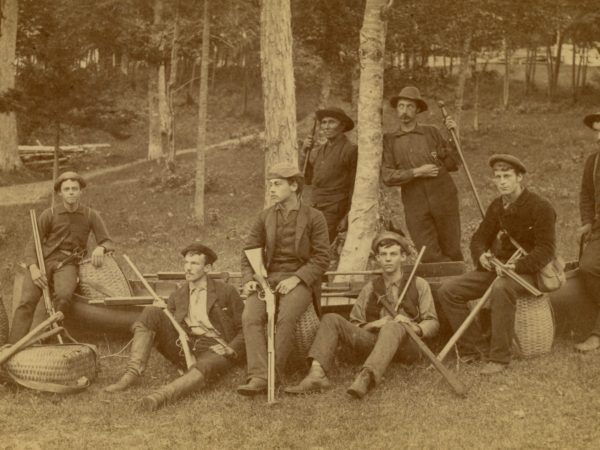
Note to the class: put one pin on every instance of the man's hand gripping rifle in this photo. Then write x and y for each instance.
(266, 294)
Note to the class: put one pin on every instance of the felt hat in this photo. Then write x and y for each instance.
(209, 255)
(69, 176)
(336, 113)
(410, 93)
(402, 241)
(591, 118)
(283, 170)
(508, 159)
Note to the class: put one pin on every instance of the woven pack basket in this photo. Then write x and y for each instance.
(305, 332)
(64, 368)
(107, 280)
(534, 325)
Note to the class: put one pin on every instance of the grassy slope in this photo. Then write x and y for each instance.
(551, 401)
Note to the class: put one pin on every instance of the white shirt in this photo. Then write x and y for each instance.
(197, 316)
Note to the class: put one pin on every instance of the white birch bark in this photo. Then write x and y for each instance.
(155, 144)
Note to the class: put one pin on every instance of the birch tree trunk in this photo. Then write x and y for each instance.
(277, 72)
(462, 77)
(9, 151)
(202, 119)
(170, 129)
(155, 144)
(506, 84)
(364, 212)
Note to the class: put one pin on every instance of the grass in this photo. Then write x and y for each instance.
(548, 402)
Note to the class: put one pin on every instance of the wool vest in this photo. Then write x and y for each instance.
(409, 306)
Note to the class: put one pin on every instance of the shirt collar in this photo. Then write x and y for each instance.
(518, 202)
(418, 129)
(198, 286)
(336, 141)
(396, 281)
(60, 209)
(279, 207)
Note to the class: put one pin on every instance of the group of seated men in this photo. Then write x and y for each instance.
(224, 330)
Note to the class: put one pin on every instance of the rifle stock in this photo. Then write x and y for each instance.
(266, 294)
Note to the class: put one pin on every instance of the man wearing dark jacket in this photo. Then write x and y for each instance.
(417, 158)
(331, 168)
(530, 220)
(211, 313)
(589, 205)
(296, 254)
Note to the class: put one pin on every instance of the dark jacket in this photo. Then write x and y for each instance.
(311, 245)
(225, 309)
(530, 220)
(589, 199)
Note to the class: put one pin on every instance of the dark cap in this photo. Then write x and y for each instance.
(69, 176)
(390, 235)
(410, 93)
(283, 170)
(591, 118)
(508, 159)
(196, 247)
(336, 113)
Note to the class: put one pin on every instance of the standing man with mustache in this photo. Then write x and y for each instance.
(64, 231)
(417, 158)
(589, 205)
(296, 254)
(331, 168)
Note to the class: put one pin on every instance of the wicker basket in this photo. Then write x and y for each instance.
(534, 325)
(105, 281)
(305, 332)
(52, 367)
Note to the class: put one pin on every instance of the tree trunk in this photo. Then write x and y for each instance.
(9, 151)
(559, 44)
(506, 84)
(462, 77)
(475, 76)
(155, 75)
(202, 119)
(550, 70)
(574, 74)
(170, 91)
(189, 98)
(325, 92)
(277, 72)
(364, 212)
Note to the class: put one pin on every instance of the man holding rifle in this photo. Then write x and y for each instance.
(418, 159)
(528, 219)
(63, 231)
(372, 332)
(210, 311)
(296, 254)
(589, 206)
(331, 167)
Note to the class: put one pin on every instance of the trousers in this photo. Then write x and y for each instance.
(590, 270)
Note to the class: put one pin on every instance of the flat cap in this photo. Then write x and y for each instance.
(385, 235)
(283, 170)
(591, 118)
(69, 176)
(336, 113)
(508, 159)
(197, 247)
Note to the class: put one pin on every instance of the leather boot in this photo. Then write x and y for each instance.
(315, 381)
(189, 382)
(138, 358)
(253, 387)
(361, 385)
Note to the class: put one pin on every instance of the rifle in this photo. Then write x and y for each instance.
(39, 253)
(266, 294)
(458, 387)
(309, 149)
(190, 359)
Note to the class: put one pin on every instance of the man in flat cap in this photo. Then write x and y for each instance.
(589, 206)
(210, 311)
(64, 231)
(294, 239)
(530, 220)
(331, 168)
(417, 158)
(371, 332)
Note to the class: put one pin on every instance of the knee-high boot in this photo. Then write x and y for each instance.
(140, 353)
(191, 381)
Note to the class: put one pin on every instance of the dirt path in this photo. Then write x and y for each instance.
(23, 194)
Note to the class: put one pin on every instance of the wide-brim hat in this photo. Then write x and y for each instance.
(284, 171)
(515, 162)
(336, 113)
(384, 235)
(209, 255)
(410, 93)
(591, 118)
(69, 176)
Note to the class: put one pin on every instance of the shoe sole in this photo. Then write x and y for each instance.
(355, 394)
(251, 392)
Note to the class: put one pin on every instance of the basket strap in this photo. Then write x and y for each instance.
(50, 387)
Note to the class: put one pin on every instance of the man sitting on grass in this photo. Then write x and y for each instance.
(209, 310)
(530, 220)
(372, 332)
